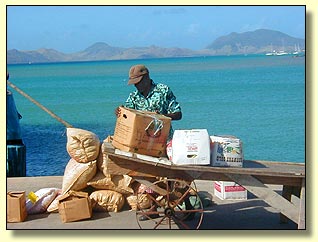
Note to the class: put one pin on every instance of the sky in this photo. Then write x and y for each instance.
(70, 29)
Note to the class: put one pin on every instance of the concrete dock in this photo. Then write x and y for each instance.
(250, 214)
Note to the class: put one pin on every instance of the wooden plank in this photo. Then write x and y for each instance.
(265, 170)
(268, 195)
(266, 179)
(285, 174)
(150, 185)
(287, 194)
(292, 194)
(302, 209)
(143, 168)
(282, 170)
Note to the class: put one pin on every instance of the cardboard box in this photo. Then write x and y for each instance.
(229, 190)
(141, 132)
(191, 147)
(16, 210)
(226, 151)
(74, 206)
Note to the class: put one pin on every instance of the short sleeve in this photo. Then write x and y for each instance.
(173, 105)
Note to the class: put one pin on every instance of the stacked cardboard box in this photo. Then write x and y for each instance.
(141, 132)
(227, 151)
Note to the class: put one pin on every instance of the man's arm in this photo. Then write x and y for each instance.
(174, 109)
(174, 116)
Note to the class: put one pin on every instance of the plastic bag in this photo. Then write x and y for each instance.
(39, 201)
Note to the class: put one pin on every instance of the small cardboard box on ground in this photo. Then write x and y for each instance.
(16, 209)
(229, 190)
(141, 132)
(226, 151)
(74, 206)
(191, 147)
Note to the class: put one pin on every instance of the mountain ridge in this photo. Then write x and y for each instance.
(258, 41)
(251, 42)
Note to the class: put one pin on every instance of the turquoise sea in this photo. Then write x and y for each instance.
(259, 99)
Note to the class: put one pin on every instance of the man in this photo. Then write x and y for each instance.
(13, 120)
(150, 96)
(16, 150)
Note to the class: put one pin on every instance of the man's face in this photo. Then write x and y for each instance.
(142, 85)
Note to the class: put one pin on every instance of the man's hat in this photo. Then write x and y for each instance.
(136, 73)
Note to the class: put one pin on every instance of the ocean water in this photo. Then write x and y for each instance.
(259, 99)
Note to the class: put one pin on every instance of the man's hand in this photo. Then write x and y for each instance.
(117, 111)
(174, 116)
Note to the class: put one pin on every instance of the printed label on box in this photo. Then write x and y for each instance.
(191, 147)
(229, 190)
(226, 151)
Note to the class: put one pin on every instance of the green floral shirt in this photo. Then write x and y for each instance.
(160, 99)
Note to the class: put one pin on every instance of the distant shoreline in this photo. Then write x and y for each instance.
(248, 43)
(153, 58)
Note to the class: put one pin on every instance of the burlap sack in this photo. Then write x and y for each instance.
(107, 201)
(54, 206)
(140, 201)
(103, 157)
(82, 145)
(132, 202)
(76, 175)
(137, 200)
(118, 183)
